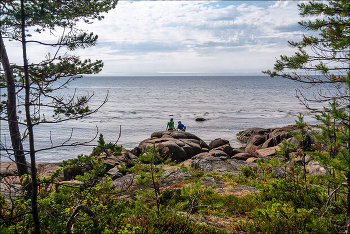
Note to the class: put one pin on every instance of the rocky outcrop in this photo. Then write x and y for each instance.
(276, 137)
(218, 157)
(264, 142)
(126, 158)
(178, 146)
(44, 169)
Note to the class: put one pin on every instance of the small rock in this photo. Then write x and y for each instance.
(315, 168)
(114, 173)
(253, 160)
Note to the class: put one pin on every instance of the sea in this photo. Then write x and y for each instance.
(138, 106)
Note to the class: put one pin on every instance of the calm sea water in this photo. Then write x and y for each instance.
(143, 105)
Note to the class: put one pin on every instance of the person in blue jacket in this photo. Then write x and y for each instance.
(181, 127)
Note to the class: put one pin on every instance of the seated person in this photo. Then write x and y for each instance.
(181, 127)
(170, 125)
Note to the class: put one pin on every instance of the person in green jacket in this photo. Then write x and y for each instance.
(170, 125)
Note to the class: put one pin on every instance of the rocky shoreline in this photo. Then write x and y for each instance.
(186, 149)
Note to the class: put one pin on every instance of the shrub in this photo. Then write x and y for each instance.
(248, 171)
(283, 218)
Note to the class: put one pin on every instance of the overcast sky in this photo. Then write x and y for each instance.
(188, 37)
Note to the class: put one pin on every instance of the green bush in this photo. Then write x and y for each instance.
(240, 205)
(248, 171)
(280, 218)
(109, 149)
(289, 191)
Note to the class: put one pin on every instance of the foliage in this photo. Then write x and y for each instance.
(283, 218)
(279, 203)
(247, 171)
(285, 149)
(150, 174)
(37, 79)
(321, 60)
(193, 196)
(108, 149)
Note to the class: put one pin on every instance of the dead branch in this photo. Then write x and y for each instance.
(328, 202)
(71, 220)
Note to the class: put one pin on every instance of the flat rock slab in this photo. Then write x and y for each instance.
(9, 168)
(267, 151)
(236, 190)
(213, 164)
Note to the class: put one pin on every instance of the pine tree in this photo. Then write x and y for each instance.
(321, 60)
(150, 173)
(324, 61)
(37, 79)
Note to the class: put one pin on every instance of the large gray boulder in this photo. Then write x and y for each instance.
(114, 173)
(245, 135)
(173, 150)
(178, 146)
(225, 148)
(217, 143)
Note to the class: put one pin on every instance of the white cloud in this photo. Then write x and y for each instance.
(146, 38)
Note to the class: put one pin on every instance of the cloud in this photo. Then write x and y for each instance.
(148, 37)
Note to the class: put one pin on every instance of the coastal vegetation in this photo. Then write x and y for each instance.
(294, 201)
(284, 204)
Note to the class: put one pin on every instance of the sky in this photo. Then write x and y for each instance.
(153, 38)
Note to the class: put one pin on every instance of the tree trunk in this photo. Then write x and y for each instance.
(12, 112)
(35, 211)
(347, 200)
